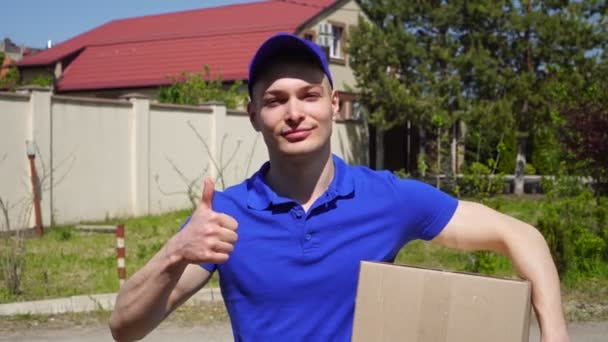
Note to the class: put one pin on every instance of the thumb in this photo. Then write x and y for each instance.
(208, 192)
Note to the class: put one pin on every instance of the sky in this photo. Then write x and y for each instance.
(34, 22)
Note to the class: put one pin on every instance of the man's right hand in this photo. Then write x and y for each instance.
(209, 237)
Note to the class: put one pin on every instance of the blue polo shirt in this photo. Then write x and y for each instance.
(293, 274)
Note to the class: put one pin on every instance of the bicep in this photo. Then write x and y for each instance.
(474, 226)
(193, 279)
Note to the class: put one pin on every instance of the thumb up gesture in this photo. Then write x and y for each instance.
(209, 236)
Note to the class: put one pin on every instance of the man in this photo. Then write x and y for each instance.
(306, 220)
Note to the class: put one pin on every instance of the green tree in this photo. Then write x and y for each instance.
(196, 88)
(402, 61)
(11, 78)
(527, 43)
(488, 62)
(583, 128)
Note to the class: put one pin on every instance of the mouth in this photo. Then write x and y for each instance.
(295, 135)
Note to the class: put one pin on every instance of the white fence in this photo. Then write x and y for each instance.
(102, 159)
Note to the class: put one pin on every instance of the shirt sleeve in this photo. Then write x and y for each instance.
(209, 267)
(425, 210)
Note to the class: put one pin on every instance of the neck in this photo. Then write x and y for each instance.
(303, 179)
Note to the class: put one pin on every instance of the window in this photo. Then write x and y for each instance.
(350, 107)
(309, 35)
(331, 37)
(343, 113)
(335, 49)
(358, 111)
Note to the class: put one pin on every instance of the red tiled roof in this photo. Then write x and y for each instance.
(147, 51)
(154, 63)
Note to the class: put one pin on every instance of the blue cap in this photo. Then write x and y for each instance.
(284, 42)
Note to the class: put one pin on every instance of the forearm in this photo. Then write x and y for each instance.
(531, 257)
(143, 302)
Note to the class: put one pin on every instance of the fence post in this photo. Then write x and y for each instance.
(217, 131)
(140, 153)
(36, 188)
(120, 250)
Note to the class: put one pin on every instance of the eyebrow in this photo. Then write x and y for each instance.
(306, 87)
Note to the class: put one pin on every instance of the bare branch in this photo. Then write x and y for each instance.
(255, 142)
(177, 170)
(224, 166)
(166, 193)
(44, 185)
(41, 160)
(4, 208)
(191, 185)
(220, 166)
(202, 140)
(495, 166)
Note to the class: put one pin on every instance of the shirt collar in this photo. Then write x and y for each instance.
(261, 197)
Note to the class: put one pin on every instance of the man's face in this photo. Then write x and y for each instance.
(293, 107)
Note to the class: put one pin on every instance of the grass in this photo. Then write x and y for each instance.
(66, 262)
(425, 254)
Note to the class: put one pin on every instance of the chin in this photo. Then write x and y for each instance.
(301, 149)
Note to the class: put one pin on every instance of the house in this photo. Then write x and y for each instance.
(10, 53)
(14, 51)
(144, 53)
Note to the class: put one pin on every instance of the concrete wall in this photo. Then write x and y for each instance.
(120, 158)
(91, 146)
(350, 140)
(151, 92)
(15, 126)
(175, 149)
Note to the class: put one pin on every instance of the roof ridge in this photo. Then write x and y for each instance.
(112, 32)
(243, 4)
(217, 33)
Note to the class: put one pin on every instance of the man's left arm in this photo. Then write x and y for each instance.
(476, 227)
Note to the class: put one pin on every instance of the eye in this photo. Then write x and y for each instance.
(312, 96)
(271, 102)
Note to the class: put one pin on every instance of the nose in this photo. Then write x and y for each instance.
(294, 114)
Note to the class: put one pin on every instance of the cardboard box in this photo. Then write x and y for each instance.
(404, 303)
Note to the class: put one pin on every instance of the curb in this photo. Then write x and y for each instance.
(87, 303)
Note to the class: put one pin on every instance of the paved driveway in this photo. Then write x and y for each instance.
(580, 332)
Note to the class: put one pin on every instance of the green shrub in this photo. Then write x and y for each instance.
(508, 154)
(529, 169)
(547, 151)
(478, 181)
(401, 173)
(196, 88)
(573, 223)
(42, 80)
(482, 262)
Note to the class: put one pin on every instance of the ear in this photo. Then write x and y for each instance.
(252, 116)
(335, 104)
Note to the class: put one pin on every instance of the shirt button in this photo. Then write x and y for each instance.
(308, 237)
(298, 214)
